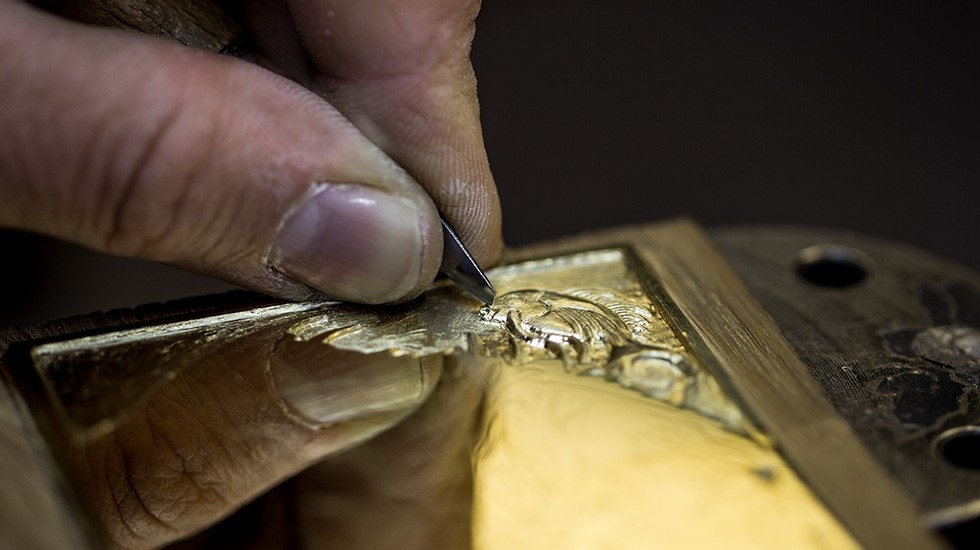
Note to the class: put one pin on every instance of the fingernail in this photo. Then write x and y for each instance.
(324, 385)
(352, 242)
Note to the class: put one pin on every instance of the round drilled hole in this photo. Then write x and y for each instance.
(961, 446)
(833, 265)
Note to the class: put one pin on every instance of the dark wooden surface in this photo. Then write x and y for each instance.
(892, 352)
(204, 24)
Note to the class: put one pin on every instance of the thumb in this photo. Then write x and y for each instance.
(136, 146)
(224, 408)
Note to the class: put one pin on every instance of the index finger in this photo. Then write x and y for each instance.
(400, 71)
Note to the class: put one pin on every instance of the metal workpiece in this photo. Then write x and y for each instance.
(892, 335)
(794, 380)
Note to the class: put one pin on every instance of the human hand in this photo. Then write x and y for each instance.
(410, 487)
(137, 146)
(219, 412)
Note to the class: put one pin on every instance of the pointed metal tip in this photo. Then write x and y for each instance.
(484, 292)
(459, 266)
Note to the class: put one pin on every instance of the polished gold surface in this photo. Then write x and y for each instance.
(573, 462)
(599, 426)
(587, 309)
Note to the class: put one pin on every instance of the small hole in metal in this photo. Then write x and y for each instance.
(961, 446)
(832, 265)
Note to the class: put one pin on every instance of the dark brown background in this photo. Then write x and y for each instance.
(857, 115)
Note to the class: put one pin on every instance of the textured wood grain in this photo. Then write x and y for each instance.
(201, 24)
(892, 352)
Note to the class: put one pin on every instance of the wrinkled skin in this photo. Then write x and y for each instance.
(137, 146)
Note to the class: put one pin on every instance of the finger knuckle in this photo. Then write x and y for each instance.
(156, 187)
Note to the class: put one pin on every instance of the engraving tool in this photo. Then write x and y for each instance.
(459, 266)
